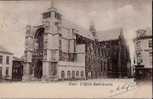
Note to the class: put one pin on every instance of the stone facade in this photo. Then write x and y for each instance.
(143, 48)
(59, 49)
(51, 51)
(107, 58)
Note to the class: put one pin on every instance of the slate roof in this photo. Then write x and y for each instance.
(106, 35)
(111, 34)
(84, 32)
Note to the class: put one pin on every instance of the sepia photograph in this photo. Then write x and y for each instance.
(72, 49)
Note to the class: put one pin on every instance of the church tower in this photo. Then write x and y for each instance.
(51, 20)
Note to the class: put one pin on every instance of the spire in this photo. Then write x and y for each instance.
(92, 27)
(52, 4)
(93, 30)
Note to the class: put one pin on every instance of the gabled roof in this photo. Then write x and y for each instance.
(3, 50)
(81, 31)
(111, 34)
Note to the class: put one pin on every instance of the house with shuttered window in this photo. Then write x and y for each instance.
(143, 51)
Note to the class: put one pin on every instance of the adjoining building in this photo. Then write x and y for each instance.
(58, 49)
(143, 49)
(114, 53)
(107, 55)
(5, 64)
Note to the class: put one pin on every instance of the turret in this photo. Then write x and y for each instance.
(28, 44)
(93, 30)
(28, 53)
(51, 20)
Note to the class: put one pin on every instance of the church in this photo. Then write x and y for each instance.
(60, 50)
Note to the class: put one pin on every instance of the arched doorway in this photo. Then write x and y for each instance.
(73, 74)
(62, 75)
(68, 75)
(38, 70)
(0, 73)
(38, 53)
(39, 38)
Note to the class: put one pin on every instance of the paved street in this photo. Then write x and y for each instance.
(92, 88)
(143, 90)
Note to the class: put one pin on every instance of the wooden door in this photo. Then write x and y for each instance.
(0, 72)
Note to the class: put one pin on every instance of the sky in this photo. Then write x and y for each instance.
(106, 14)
